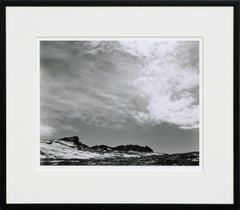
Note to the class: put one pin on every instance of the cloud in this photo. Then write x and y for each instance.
(46, 130)
(109, 84)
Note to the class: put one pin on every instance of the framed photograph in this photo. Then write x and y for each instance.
(112, 105)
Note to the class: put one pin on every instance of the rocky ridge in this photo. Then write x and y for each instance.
(100, 148)
(71, 151)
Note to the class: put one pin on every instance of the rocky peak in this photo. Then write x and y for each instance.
(74, 139)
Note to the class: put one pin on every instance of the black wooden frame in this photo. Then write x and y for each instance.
(109, 3)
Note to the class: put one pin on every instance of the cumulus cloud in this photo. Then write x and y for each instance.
(111, 83)
(46, 130)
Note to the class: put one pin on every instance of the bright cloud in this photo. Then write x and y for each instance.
(46, 130)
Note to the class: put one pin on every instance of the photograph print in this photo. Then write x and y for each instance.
(120, 102)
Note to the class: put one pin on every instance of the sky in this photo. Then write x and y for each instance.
(143, 92)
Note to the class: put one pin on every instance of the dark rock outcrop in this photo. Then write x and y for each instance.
(74, 139)
(82, 146)
(123, 148)
(102, 147)
(132, 147)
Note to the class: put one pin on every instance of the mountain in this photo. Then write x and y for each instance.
(72, 151)
(74, 140)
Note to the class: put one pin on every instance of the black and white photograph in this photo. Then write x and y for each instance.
(120, 102)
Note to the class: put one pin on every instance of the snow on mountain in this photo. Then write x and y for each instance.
(57, 149)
